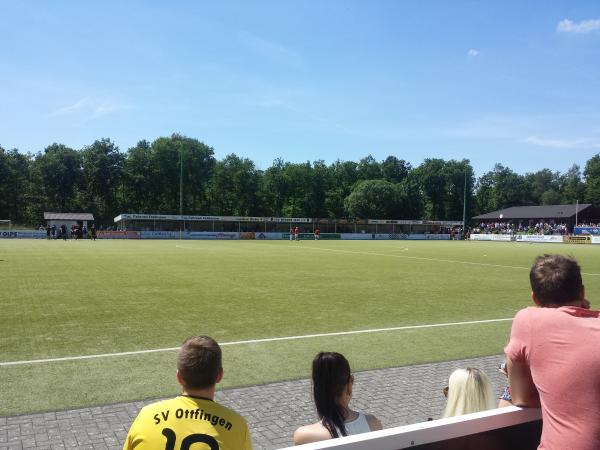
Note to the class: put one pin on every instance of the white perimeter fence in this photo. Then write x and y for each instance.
(224, 235)
(539, 238)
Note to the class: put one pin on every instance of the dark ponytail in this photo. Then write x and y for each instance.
(330, 374)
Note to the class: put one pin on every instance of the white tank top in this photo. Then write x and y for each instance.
(358, 425)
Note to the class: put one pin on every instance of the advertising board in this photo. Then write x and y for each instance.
(429, 237)
(592, 231)
(480, 237)
(22, 234)
(118, 234)
(492, 237)
(199, 235)
(547, 239)
(578, 239)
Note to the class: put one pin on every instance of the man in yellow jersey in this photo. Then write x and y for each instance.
(193, 417)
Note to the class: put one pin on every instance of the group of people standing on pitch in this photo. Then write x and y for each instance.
(77, 232)
(552, 360)
(295, 234)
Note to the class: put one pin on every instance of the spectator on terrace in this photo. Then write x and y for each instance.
(539, 227)
(469, 390)
(193, 417)
(505, 399)
(332, 390)
(553, 358)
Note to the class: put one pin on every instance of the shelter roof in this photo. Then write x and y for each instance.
(536, 212)
(68, 216)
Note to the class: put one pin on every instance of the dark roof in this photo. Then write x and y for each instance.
(536, 212)
(68, 216)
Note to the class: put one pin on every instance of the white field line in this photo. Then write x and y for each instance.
(423, 258)
(253, 341)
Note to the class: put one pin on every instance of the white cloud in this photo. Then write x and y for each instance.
(88, 108)
(77, 106)
(585, 26)
(105, 109)
(562, 143)
(473, 52)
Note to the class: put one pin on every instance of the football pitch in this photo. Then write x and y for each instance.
(90, 323)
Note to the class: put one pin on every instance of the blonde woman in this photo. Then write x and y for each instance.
(469, 390)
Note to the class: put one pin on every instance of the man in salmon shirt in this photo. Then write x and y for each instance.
(553, 356)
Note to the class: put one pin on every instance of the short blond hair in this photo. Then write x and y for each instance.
(469, 391)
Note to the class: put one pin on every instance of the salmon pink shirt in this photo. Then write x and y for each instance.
(561, 346)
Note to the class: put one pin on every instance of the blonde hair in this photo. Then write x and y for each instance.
(469, 391)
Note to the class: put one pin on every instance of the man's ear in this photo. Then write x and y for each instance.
(179, 377)
(219, 376)
(535, 299)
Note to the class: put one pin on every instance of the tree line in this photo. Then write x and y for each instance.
(101, 179)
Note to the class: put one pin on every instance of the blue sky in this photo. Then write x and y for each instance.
(509, 81)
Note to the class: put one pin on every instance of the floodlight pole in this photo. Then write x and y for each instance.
(464, 230)
(576, 213)
(180, 188)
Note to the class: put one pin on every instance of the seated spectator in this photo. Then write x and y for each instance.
(193, 417)
(505, 398)
(469, 390)
(332, 390)
(553, 359)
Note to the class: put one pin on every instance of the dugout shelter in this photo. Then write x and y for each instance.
(68, 219)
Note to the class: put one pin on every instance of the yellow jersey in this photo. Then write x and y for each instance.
(178, 423)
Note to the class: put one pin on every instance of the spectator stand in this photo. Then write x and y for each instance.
(395, 229)
(545, 220)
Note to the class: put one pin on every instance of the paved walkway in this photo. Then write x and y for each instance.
(398, 396)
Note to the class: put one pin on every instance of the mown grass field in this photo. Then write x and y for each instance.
(62, 299)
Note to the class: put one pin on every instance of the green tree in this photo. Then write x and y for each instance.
(275, 188)
(344, 174)
(572, 187)
(138, 174)
(234, 187)
(456, 173)
(500, 188)
(320, 184)
(14, 185)
(541, 187)
(484, 194)
(299, 202)
(432, 180)
(59, 177)
(410, 200)
(168, 154)
(103, 167)
(394, 170)
(373, 199)
(369, 169)
(592, 180)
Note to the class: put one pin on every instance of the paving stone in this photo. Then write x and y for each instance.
(397, 396)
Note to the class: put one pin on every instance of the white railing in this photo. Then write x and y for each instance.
(437, 431)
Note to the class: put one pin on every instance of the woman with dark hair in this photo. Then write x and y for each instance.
(332, 390)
